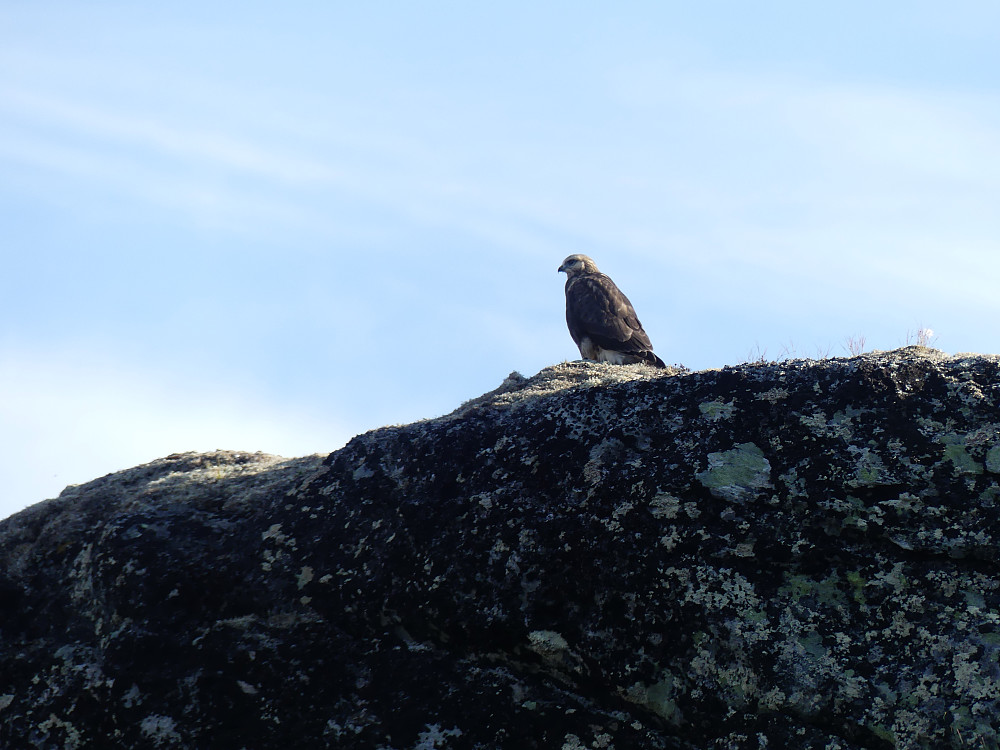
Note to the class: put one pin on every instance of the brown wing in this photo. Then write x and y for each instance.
(595, 307)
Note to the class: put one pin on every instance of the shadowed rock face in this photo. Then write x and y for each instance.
(795, 555)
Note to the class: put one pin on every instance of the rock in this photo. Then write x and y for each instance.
(791, 555)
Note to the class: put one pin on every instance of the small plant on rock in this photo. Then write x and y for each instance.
(855, 345)
(921, 337)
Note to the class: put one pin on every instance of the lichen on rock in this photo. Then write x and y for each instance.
(738, 473)
(794, 555)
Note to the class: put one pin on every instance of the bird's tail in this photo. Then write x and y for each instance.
(652, 359)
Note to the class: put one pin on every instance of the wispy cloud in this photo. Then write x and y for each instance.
(771, 172)
(120, 129)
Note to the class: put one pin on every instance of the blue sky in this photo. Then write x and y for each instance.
(264, 227)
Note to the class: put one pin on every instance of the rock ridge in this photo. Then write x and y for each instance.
(798, 554)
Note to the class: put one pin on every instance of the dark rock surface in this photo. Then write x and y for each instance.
(793, 555)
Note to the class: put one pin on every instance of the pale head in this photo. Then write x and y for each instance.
(575, 264)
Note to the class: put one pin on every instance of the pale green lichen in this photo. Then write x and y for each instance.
(883, 733)
(434, 736)
(955, 451)
(737, 474)
(363, 472)
(857, 582)
(964, 463)
(665, 506)
(546, 642)
(870, 470)
(73, 737)
(826, 591)
(993, 460)
(812, 644)
(713, 411)
(658, 698)
(305, 576)
(160, 729)
(974, 599)
(839, 426)
(773, 395)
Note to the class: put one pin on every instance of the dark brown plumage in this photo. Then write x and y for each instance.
(601, 319)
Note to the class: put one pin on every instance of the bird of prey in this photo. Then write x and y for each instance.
(601, 320)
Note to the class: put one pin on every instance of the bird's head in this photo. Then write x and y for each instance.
(575, 264)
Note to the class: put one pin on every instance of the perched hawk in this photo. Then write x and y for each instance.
(601, 320)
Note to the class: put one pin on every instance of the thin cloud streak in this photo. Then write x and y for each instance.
(828, 123)
(223, 150)
(831, 124)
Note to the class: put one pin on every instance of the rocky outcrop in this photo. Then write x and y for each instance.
(792, 555)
